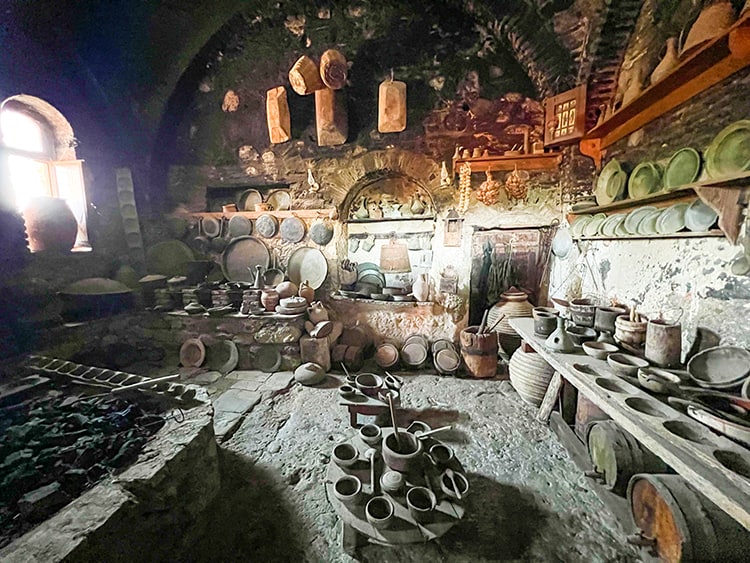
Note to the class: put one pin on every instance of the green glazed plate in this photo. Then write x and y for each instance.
(591, 229)
(644, 180)
(729, 152)
(576, 229)
(683, 168)
(602, 194)
(609, 227)
(634, 218)
(647, 225)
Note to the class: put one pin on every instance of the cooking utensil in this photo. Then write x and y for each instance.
(241, 256)
(392, 381)
(145, 383)
(393, 421)
(422, 435)
(449, 473)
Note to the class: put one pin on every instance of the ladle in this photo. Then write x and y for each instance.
(346, 371)
(371, 454)
(449, 473)
(392, 381)
(421, 435)
(393, 421)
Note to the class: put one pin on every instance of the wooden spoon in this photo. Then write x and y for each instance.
(393, 421)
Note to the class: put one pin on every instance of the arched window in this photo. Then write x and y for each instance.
(37, 144)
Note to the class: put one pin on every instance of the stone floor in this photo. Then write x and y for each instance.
(528, 500)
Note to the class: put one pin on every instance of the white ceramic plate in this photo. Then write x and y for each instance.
(576, 229)
(699, 217)
(647, 225)
(634, 218)
(609, 227)
(562, 244)
(308, 264)
(672, 219)
(591, 229)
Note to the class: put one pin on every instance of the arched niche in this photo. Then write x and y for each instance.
(388, 195)
(64, 139)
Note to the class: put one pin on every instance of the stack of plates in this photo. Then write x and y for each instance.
(644, 180)
(611, 183)
(633, 219)
(576, 229)
(369, 273)
(729, 152)
(591, 228)
(609, 227)
(647, 225)
(683, 168)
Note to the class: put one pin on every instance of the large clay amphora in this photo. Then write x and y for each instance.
(50, 224)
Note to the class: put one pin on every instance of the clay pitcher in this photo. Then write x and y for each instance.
(663, 343)
(306, 292)
(269, 297)
(362, 212)
(670, 60)
(421, 288)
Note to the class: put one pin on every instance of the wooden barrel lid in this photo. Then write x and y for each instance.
(414, 354)
(447, 360)
(386, 355)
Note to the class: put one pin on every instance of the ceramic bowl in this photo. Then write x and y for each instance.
(348, 489)
(347, 391)
(369, 383)
(421, 502)
(440, 454)
(447, 486)
(371, 434)
(581, 334)
(658, 380)
(345, 455)
(625, 364)
(379, 512)
(418, 426)
(599, 350)
(720, 367)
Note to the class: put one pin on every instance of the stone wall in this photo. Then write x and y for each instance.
(175, 478)
(688, 274)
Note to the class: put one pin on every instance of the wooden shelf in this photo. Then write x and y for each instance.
(661, 197)
(708, 65)
(687, 234)
(391, 219)
(545, 161)
(301, 213)
(729, 490)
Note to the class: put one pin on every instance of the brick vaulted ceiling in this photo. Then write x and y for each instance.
(137, 59)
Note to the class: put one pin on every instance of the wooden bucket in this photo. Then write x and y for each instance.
(479, 352)
(680, 524)
(617, 456)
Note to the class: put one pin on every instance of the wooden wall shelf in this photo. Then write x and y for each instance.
(686, 234)
(710, 64)
(301, 213)
(695, 462)
(663, 198)
(545, 161)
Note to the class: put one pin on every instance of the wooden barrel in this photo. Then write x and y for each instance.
(333, 69)
(617, 456)
(586, 414)
(479, 352)
(530, 375)
(680, 524)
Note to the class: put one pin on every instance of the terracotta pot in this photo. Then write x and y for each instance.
(306, 292)
(514, 304)
(670, 60)
(317, 313)
(50, 224)
(287, 289)
(269, 298)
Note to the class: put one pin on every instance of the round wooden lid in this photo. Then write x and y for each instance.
(192, 353)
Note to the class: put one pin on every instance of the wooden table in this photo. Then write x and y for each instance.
(697, 461)
(405, 530)
(359, 403)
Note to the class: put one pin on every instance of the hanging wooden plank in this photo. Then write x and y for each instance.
(277, 115)
(391, 106)
(331, 117)
(333, 69)
(550, 397)
(305, 76)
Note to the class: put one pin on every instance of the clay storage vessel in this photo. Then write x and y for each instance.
(514, 303)
(530, 376)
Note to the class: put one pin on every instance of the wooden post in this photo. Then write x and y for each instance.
(277, 115)
(391, 106)
(331, 117)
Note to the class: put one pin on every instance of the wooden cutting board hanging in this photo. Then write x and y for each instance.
(277, 115)
(331, 117)
(391, 106)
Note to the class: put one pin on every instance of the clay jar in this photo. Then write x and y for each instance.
(317, 313)
(514, 303)
(663, 343)
(287, 289)
(270, 299)
(630, 332)
(306, 292)
(421, 502)
(348, 489)
(405, 458)
(50, 224)
(604, 318)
